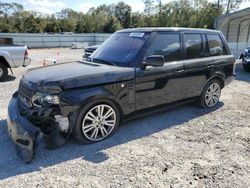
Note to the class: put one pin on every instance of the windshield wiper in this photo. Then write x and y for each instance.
(103, 61)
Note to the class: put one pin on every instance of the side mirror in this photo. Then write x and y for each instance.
(154, 61)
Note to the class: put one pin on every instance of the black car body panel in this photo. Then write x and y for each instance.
(132, 87)
(81, 74)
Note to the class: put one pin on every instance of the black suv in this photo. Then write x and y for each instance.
(88, 51)
(135, 70)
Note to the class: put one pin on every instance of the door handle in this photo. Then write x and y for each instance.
(179, 71)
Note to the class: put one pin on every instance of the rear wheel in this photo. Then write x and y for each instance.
(3, 72)
(96, 122)
(211, 94)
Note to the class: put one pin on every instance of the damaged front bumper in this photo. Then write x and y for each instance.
(26, 135)
(22, 132)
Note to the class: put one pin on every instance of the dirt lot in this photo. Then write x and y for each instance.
(183, 147)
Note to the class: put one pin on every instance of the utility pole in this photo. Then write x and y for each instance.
(160, 13)
(218, 6)
(228, 6)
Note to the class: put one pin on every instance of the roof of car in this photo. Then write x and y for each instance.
(155, 29)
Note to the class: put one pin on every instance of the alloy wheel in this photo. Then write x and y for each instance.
(212, 95)
(99, 122)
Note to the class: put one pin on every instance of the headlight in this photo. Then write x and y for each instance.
(40, 99)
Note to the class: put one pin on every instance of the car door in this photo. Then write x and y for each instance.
(197, 64)
(161, 85)
(221, 59)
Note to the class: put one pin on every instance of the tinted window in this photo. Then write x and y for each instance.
(215, 45)
(193, 43)
(121, 48)
(166, 44)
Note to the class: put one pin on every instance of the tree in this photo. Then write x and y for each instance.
(160, 13)
(81, 23)
(109, 18)
(232, 4)
(228, 5)
(207, 13)
(149, 6)
(52, 25)
(123, 14)
(112, 25)
(137, 20)
(148, 10)
(66, 13)
(68, 20)
(100, 17)
(6, 9)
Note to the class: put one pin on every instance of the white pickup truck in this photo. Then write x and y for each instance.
(11, 57)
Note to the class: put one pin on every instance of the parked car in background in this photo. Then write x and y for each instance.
(245, 56)
(88, 51)
(12, 56)
(6, 41)
(135, 71)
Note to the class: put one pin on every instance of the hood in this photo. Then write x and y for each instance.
(75, 75)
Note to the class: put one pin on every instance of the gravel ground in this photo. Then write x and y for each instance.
(183, 147)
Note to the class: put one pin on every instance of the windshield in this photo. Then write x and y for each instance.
(120, 49)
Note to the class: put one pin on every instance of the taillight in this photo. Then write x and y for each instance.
(26, 53)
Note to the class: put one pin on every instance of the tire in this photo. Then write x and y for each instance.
(3, 72)
(211, 94)
(90, 127)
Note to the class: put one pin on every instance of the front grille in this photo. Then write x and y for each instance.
(87, 54)
(23, 109)
(25, 93)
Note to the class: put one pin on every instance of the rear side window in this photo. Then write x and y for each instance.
(193, 43)
(215, 45)
(167, 45)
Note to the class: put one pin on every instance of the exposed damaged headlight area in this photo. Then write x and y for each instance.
(32, 96)
(42, 99)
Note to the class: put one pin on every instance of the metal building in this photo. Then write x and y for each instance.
(236, 28)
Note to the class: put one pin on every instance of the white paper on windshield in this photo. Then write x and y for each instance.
(140, 35)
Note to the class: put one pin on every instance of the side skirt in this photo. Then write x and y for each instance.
(157, 109)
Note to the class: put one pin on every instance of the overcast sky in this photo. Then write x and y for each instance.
(52, 6)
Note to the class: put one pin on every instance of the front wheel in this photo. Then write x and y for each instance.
(96, 122)
(211, 94)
